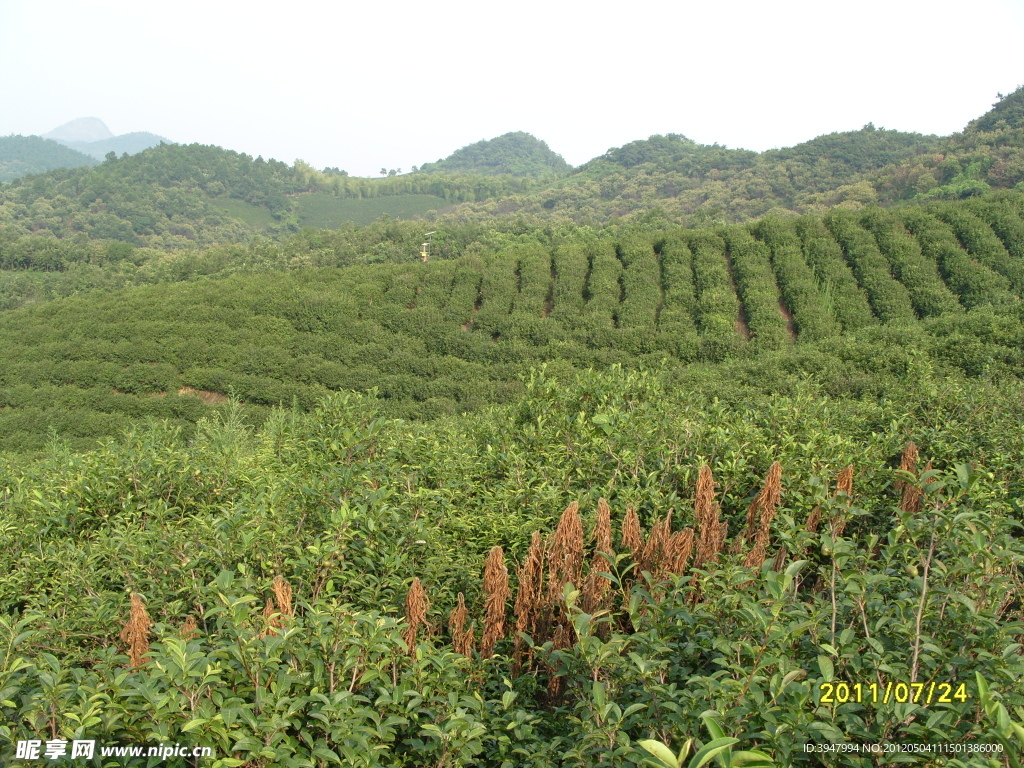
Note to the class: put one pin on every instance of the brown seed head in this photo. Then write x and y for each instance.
(813, 520)
(711, 531)
(497, 593)
(844, 484)
(269, 619)
(565, 553)
(283, 596)
(136, 631)
(416, 606)
(652, 555)
(632, 537)
(678, 551)
(908, 461)
(462, 639)
(603, 528)
(764, 504)
(844, 481)
(596, 586)
(723, 534)
(529, 595)
(910, 500)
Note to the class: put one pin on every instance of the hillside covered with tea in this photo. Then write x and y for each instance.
(846, 299)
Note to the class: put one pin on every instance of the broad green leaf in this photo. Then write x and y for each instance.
(660, 751)
(754, 758)
(826, 667)
(708, 752)
(193, 724)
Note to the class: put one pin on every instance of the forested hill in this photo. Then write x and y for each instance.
(25, 155)
(174, 196)
(1008, 112)
(162, 197)
(517, 154)
(178, 196)
(695, 183)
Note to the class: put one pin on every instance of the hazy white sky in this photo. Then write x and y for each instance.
(394, 84)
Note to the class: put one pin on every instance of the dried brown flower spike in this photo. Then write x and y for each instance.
(565, 553)
(497, 594)
(762, 512)
(136, 631)
(529, 598)
(910, 496)
(678, 551)
(283, 596)
(462, 638)
(844, 484)
(416, 606)
(632, 538)
(710, 530)
(596, 586)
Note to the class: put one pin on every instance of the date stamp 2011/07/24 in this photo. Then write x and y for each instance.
(924, 694)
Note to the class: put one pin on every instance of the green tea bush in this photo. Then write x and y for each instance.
(981, 242)
(755, 282)
(641, 284)
(918, 274)
(835, 280)
(975, 283)
(889, 298)
(718, 308)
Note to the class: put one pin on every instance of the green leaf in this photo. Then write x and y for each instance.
(708, 716)
(660, 751)
(794, 568)
(828, 670)
(831, 732)
(712, 748)
(754, 758)
(792, 675)
(632, 708)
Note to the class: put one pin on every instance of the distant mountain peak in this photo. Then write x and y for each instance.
(91, 136)
(81, 129)
(516, 153)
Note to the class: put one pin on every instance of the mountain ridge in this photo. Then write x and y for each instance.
(91, 136)
(518, 175)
